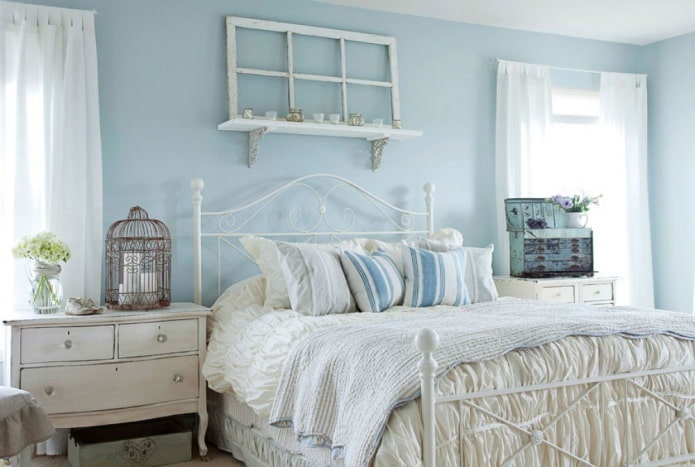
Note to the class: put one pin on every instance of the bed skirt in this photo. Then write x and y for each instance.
(235, 428)
(492, 430)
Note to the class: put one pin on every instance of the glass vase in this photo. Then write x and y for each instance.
(46, 288)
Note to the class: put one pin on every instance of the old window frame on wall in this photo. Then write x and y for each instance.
(233, 70)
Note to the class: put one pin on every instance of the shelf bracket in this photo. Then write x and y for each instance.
(255, 137)
(378, 151)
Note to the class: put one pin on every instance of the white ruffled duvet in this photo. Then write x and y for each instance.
(249, 344)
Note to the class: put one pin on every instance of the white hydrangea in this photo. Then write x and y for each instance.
(44, 246)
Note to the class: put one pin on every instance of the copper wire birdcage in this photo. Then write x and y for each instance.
(138, 263)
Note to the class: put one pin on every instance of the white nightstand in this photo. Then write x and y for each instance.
(113, 367)
(599, 291)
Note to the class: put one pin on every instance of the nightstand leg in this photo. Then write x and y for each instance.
(202, 428)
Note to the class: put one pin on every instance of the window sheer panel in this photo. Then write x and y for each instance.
(50, 149)
(524, 113)
(624, 114)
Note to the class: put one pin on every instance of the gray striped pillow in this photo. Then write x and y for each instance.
(315, 281)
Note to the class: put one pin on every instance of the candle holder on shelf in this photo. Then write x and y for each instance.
(138, 263)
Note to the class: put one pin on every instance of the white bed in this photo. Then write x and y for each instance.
(594, 397)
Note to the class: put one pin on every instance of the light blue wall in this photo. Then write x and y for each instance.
(162, 71)
(671, 71)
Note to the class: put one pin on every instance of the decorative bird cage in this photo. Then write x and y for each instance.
(138, 263)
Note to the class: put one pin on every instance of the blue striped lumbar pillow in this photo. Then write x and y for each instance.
(374, 280)
(433, 278)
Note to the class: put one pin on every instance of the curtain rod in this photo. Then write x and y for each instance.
(497, 60)
(94, 11)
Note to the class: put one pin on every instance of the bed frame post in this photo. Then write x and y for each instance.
(426, 341)
(197, 185)
(429, 202)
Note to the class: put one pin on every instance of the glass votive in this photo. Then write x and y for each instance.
(334, 118)
(271, 115)
(248, 113)
(318, 118)
(396, 124)
(378, 122)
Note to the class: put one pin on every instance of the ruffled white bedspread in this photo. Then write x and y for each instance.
(250, 344)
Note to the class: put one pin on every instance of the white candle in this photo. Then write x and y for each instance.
(148, 282)
(131, 271)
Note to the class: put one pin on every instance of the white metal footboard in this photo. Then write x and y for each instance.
(428, 340)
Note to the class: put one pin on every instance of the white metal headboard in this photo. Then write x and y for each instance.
(238, 222)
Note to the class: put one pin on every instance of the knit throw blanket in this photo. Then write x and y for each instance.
(339, 385)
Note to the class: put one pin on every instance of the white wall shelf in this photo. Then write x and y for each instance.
(257, 127)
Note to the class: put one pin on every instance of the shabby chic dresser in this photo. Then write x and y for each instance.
(113, 367)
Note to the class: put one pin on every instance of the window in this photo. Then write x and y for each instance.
(577, 159)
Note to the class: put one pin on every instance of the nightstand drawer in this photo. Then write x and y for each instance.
(559, 294)
(157, 338)
(83, 388)
(597, 292)
(67, 344)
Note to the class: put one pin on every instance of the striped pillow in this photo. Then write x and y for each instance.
(315, 281)
(374, 280)
(434, 278)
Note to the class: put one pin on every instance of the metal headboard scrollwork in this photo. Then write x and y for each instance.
(239, 222)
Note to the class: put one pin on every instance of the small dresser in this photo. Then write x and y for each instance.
(113, 367)
(598, 291)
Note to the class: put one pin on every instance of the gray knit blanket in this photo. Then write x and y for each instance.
(339, 385)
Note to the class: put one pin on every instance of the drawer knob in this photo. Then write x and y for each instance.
(49, 390)
(68, 344)
(597, 292)
(161, 337)
(178, 379)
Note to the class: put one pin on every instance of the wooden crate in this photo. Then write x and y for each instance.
(149, 443)
(551, 252)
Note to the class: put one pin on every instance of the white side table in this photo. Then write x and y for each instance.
(598, 291)
(115, 367)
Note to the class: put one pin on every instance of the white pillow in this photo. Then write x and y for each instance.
(434, 278)
(265, 254)
(441, 240)
(375, 282)
(315, 281)
(242, 294)
(481, 286)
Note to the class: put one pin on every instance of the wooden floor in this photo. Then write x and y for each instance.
(216, 458)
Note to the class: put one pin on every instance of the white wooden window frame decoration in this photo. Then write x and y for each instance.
(257, 128)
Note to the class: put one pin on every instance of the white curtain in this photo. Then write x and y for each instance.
(50, 144)
(524, 112)
(624, 116)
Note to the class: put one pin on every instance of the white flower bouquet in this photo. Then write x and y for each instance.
(46, 250)
(45, 247)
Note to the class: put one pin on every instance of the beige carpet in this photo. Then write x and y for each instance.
(216, 458)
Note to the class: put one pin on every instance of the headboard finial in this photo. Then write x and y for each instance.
(429, 202)
(197, 184)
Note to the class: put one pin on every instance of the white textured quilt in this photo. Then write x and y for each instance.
(324, 395)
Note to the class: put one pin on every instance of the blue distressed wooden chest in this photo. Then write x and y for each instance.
(546, 252)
